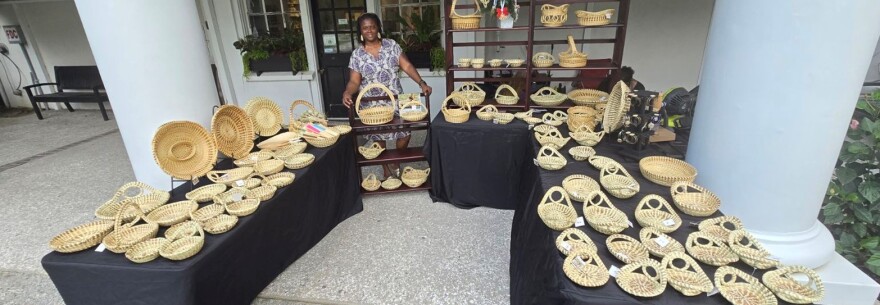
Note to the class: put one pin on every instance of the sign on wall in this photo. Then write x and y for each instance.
(14, 34)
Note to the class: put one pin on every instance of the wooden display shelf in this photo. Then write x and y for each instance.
(577, 26)
(402, 188)
(397, 121)
(587, 67)
(411, 154)
(484, 68)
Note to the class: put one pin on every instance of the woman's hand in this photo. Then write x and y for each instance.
(426, 89)
(346, 99)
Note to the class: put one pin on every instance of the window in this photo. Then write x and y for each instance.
(273, 16)
(417, 47)
(337, 21)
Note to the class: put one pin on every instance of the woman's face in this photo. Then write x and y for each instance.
(369, 30)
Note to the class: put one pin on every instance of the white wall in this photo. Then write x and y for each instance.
(874, 68)
(8, 17)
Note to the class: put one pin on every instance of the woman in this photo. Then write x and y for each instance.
(377, 60)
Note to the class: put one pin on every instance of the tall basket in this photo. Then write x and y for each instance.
(464, 22)
(572, 58)
(375, 115)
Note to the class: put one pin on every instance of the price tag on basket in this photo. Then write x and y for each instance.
(297, 140)
(613, 271)
(579, 222)
(669, 222)
(607, 16)
(565, 245)
(236, 197)
(578, 262)
(195, 180)
(662, 241)
(101, 248)
(239, 183)
(630, 223)
(494, 121)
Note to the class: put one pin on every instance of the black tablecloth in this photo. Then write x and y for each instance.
(232, 268)
(477, 163)
(536, 275)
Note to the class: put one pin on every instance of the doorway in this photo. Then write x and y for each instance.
(336, 37)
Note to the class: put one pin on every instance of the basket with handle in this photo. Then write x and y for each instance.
(172, 213)
(553, 15)
(371, 151)
(750, 250)
(665, 170)
(585, 268)
(720, 227)
(230, 177)
(581, 153)
(600, 162)
(602, 215)
(741, 288)
(784, 282)
(413, 177)
(658, 243)
(486, 113)
(587, 97)
(684, 274)
(371, 183)
(550, 159)
(572, 58)
(128, 234)
(455, 115)
(581, 116)
(311, 115)
(144, 196)
(547, 96)
(185, 245)
(618, 182)
(556, 211)
(147, 250)
(506, 99)
(543, 60)
(376, 115)
(653, 211)
(693, 199)
(464, 22)
(412, 109)
(573, 239)
(524, 114)
(587, 18)
(584, 136)
(552, 120)
(544, 129)
(471, 94)
(579, 186)
(627, 249)
(709, 250)
(220, 224)
(82, 237)
(645, 278)
(502, 117)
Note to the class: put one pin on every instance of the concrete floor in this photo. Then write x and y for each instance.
(403, 249)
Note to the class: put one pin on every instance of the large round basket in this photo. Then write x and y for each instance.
(376, 115)
(627, 249)
(721, 226)
(147, 250)
(579, 186)
(587, 97)
(750, 250)
(655, 212)
(573, 239)
(553, 16)
(184, 150)
(602, 215)
(658, 243)
(685, 275)
(265, 114)
(543, 60)
(585, 268)
(82, 236)
(556, 210)
(471, 94)
(185, 246)
(412, 109)
(581, 116)
(464, 22)
(455, 115)
(666, 171)
(413, 177)
(618, 182)
(548, 96)
(784, 282)
(572, 58)
(172, 213)
(587, 18)
(550, 159)
(709, 250)
(693, 199)
(740, 288)
(506, 99)
(311, 115)
(618, 105)
(646, 278)
(233, 131)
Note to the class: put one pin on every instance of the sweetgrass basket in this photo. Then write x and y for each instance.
(172, 213)
(455, 115)
(268, 167)
(263, 192)
(581, 153)
(555, 209)
(220, 224)
(553, 138)
(486, 113)
(242, 207)
(464, 62)
(524, 114)
(254, 157)
(325, 138)
(618, 182)
(471, 94)
(579, 186)
(376, 115)
(229, 177)
(600, 162)
(627, 249)
(184, 149)
(515, 62)
(585, 268)
(587, 18)
(658, 243)
(279, 180)
(371, 183)
(553, 15)
(502, 117)
(602, 215)
(464, 22)
(655, 212)
(391, 183)
(233, 131)
(209, 211)
(181, 230)
(587, 97)
(709, 250)
(299, 161)
(573, 239)
(413, 177)
(477, 63)
(750, 250)
(311, 115)
(741, 288)
(720, 227)
(82, 237)
(572, 58)
(615, 110)
(666, 171)
(543, 60)
(144, 196)
(206, 193)
(693, 199)
(586, 137)
(785, 283)
(185, 245)
(147, 250)
(495, 63)
(265, 115)
(550, 159)
(684, 274)
(552, 120)
(645, 278)
(126, 235)
(278, 141)
(506, 99)
(290, 150)
(371, 151)
(532, 121)
(412, 110)
(548, 97)
(580, 117)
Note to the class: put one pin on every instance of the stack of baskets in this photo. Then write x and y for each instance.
(581, 116)
(572, 58)
(553, 16)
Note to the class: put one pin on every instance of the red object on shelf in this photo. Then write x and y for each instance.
(590, 79)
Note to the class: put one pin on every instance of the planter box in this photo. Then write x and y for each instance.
(275, 63)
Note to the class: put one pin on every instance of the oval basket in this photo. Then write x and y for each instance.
(587, 18)
(82, 237)
(414, 110)
(618, 182)
(502, 117)
(455, 115)
(181, 230)
(553, 16)
(599, 162)
(262, 193)
(229, 177)
(376, 115)
(278, 141)
(487, 113)
(684, 274)
(615, 110)
(581, 153)
(341, 129)
(464, 22)
(514, 63)
(585, 269)
(279, 180)
(784, 284)
(524, 114)
(627, 249)
(572, 58)
(720, 227)
(581, 117)
(658, 243)
(185, 246)
(557, 213)
(265, 115)
(184, 149)
(126, 235)
(579, 186)
(532, 121)
(709, 250)
(172, 213)
(144, 196)
(573, 240)
(371, 151)
(550, 159)
(655, 212)
(299, 161)
(543, 60)
(750, 250)
(220, 224)
(311, 115)
(693, 199)
(242, 207)
(206, 193)
(371, 183)
(323, 139)
(413, 177)
(391, 183)
(471, 94)
(645, 278)
(739, 288)
(587, 97)
(207, 212)
(506, 99)
(548, 97)
(666, 171)
(587, 137)
(268, 167)
(233, 130)
(147, 250)
(602, 215)
(290, 150)
(253, 158)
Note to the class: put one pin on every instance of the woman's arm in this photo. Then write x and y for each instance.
(354, 82)
(410, 70)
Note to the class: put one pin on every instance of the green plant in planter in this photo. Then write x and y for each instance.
(290, 42)
(852, 204)
(421, 31)
(438, 59)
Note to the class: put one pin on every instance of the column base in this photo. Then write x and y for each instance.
(846, 284)
(811, 248)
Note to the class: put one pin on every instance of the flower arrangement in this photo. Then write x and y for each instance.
(502, 9)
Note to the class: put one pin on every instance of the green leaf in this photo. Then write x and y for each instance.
(866, 124)
(870, 190)
(846, 175)
(861, 230)
(832, 213)
(870, 242)
(858, 148)
(852, 197)
(875, 270)
(862, 213)
(874, 260)
(848, 240)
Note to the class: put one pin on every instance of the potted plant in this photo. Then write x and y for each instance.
(505, 11)
(420, 35)
(273, 53)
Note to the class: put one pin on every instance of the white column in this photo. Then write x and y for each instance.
(780, 81)
(156, 68)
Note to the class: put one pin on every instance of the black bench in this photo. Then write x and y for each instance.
(72, 78)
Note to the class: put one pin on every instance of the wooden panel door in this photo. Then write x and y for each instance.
(336, 37)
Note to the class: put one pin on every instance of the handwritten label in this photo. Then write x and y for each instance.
(578, 262)
(669, 222)
(613, 271)
(579, 222)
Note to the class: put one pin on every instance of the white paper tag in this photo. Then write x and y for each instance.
(713, 292)
(565, 245)
(236, 197)
(662, 241)
(531, 126)
(613, 271)
(297, 140)
(608, 16)
(630, 223)
(195, 180)
(603, 98)
(239, 183)
(254, 158)
(623, 257)
(578, 262)
(669, 222)
(579, 222)
(494, 121)
(536, 161)
(100, 248)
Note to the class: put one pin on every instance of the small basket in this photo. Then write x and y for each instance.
(323, 139)
(599, 162)
(579, 186)
(278, 141)
(144, 196)
(464, 62)
(532, 121)
(784, 284)
(524, 114)
(572, 58)
(465, 22)
(312, 115)
(544, 129)
(279, 180)
(587, 18)
(602, 215)
(181, 230)
(242, 207)
(412, 110)
(206, 193)
(587, 97)
(455, 115)
(557, 214)
(341, 129)
(502, 117)
(82, 237)
(265, 114)
(299, 161)
(553, 138)
(645, 278)
(253, 158)
(658, 243)
(685, 275)
(506, 99)
(372, 151)
(172, 213)
(586, 137)
(627, 249)
(147, 250)
(720, 227)
(229, 177)
(208, 211)
(126, 235)
(660, 216)
(495, 63)
(268, 167)
(543, 60)
(709, 250)
(263, 193)
(618, 182)
(559, 115)
(573, 239)
(548, 97)
(471, 94)
(290, 150)
(514, 63)
(376, 115)
(581, 117)
(185, 247)
(665, 170)
(585, 269)
(553, 16)
(750, 250)
(581, 153)
(413, 177)
(371, 183)
(220, 224)
(487, 113)
(391, 183)
(233, 131)
(477, 63)
(550, 159)
(741, 288)
(693, 199)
